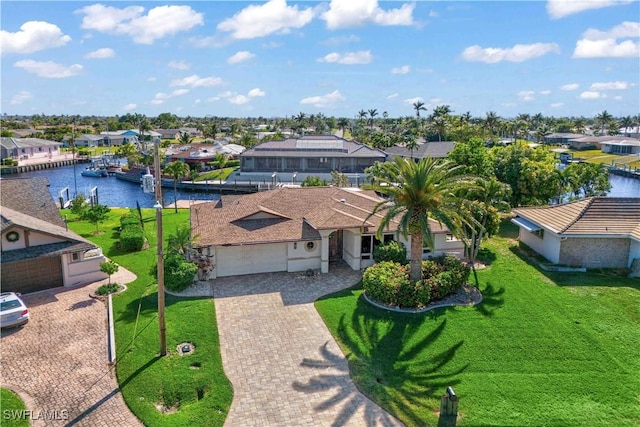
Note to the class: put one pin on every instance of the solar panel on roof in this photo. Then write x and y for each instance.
(319, 144)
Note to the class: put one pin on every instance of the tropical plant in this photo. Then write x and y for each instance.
(587, 179)
(96, 214)
(177, 170)
(419, 106)
(313, 181)
(418, 192)
(181, 241)
(79, 205)
(339, 179)
(185, 138)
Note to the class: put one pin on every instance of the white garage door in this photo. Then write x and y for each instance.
(249, 259)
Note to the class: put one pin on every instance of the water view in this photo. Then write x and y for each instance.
(117, 193)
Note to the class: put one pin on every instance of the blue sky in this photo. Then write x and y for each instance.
(279, 58)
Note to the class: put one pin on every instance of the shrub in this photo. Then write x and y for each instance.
(131, 239)
(178, 273)
(422, 293)
(381, 281)
(108, 289)
(444, 275)
(129, 219)
(391, 251)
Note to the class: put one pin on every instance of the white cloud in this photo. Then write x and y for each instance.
(545, 92)
(241, 56)
(400, 70)
(179, 65)
(348, 58)
(129, 107)
(517, 53)
(32, 37)
(526, 95)
(355, 13)
(324, 101)
(159, 22)
(605, 44)
(412, 101)
(393, 95)
(161, 97)
(340, 40)
(239, 99)
(49, 69)
(589, 94)
(274, 16)
(557, 104)
(610, 86)
(102, 53)
(570, 86)
(561, 8)
(20, 97)
(256, 92)
(197, 81)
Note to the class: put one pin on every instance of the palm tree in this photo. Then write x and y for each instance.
(343, 123)
(180, 242)
(603, 119)
(419, 106)
(579, 125)
(177, 170)
(418, 192)
(185, 138)
(372, 114)
(362, 115)
(491, 122)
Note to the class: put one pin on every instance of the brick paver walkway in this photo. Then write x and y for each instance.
(58, 362)
(285, 366)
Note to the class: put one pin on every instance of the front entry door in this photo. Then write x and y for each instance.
(335, 246)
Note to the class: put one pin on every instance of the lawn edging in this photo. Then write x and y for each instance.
(466, 296)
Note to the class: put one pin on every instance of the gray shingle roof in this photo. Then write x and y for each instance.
(433, 149)
(11, 143)
(30, 196)
(313, 146)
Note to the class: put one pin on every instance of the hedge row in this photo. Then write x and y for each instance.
(131, 233)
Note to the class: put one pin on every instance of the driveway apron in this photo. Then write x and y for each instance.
(285, 366)
(58, 362)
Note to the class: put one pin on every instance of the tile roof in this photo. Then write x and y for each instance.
(11, 143)
(30, 196)
(606, 216)
(313, 146)
(285, 214)
(433, 149)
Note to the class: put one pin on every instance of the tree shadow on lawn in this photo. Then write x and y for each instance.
(610, 278)
(492, 300)
(402, 377)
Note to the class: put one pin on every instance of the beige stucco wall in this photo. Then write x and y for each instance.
(351, 248)
(634, 251)
(299, 258)
(595, 252)
(85, 270)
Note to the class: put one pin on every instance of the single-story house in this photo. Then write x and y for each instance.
(115, 138)
(295, 229)
(312, 154)
(28, 148)
(169, 133)
(88, 140)
(561, 137)
(596, 232)
(433, 149)
(630, 132)
(38, 251)
(201, 153)
(22, 133)
(585, 142)
(621, 146)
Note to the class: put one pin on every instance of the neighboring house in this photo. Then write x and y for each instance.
(88, 140)
(38, 251)
(115, 138)
(294, 229)
(315, 154)
(169, 133)
(201, 154)
(585, 142)
(597, 232)
(434, 149)
(195, 132)
(28, 148)
(629, 132)
(22, 133)
(561, 137)
(621, 146)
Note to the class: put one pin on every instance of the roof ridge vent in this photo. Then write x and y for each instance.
(343, 200)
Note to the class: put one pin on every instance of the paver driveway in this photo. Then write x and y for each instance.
(58, 361)
(285, 366)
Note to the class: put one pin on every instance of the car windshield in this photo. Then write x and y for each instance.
(8, 305)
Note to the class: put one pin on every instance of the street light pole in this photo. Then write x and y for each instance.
(158, 206)
(73, 158)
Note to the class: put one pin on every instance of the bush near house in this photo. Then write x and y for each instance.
(388, 282)
(390, 251)
(131, 233)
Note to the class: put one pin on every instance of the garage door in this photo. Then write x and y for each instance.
(32, 275)
(249, 259)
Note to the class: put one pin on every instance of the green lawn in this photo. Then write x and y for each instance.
(597, 156)
(12, 410)
(217, 174)
(542, 349)
(196, 382)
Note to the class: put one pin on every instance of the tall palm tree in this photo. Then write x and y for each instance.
(343, 123)
(185, 138)
(491, 122)
(362, 115)
(417, 192)
(177, 170)
(419, 106)
(372, 114)
(603, 120)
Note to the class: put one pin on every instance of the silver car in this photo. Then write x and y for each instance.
(13, 311)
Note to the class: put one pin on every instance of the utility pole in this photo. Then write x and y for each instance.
(158, 206)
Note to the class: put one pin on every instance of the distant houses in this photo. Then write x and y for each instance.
(28, 148)
(434, 149)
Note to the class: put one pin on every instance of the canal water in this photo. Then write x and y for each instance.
(117, 193)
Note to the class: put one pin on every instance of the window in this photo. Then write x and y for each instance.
(451, 238)
(369, 243)
(538, 233)
(75, 256)
(310, 246)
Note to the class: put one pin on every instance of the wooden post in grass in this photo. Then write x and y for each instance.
(448, 409)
